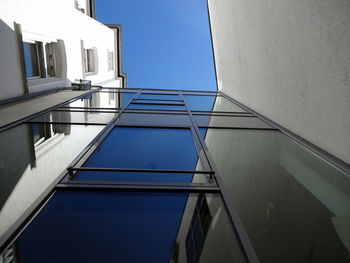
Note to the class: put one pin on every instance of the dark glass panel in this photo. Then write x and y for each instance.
(141, 177)
(31, 60)
(291, 202)
(32, 156)
(75, 117)
(153, 119)
(156, 107)
(159, 96)
(146, 148)
(106, 226)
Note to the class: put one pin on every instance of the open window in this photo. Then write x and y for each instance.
(39, 59)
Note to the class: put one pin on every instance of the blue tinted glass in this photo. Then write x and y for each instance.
(78, 226)
(203, 132)
(159, 97)
(146, 148)
(156, 107)
(30, 59)
(200, 103)
(125, 97)
(140, 177)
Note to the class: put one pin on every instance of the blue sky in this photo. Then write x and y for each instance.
(166, 43)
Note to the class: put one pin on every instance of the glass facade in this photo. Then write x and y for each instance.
(132, 175)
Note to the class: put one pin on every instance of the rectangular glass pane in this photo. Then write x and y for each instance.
(31, 59)
(108, 100)
(290, 201)
(211, 103)
(141, 177)
(228, 121)
(159, 96)
(223, 104)
(200, 103)
(92, 226)
(75, 117)
(153, 119)
(146, 148)
(156, 107)
(32, 157)
(160, 101)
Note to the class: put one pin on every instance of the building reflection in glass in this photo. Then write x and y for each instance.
(31, 158)
(294, 205)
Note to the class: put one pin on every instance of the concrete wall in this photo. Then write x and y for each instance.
(51, 20)
(290, 61)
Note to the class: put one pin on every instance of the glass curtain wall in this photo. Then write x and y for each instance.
(166, 176)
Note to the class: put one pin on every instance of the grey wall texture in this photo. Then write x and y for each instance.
(289, 61)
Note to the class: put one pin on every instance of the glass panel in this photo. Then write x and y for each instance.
(234, 122)
(142, 177)
(146, 148)
(211, 103)
(75, 117)
(31, 158)
(160, 101)
(156, 107)
(103, 100)
(200, 103)
(31, 60)
(106, 226)
(223, 104)
(153, 119)
(159, 96)
(291, 202)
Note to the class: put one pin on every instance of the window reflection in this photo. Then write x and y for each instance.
(31, 158)
(111, 225)
(294, 197)
(100, 99)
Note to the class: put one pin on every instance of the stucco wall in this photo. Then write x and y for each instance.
(290, 61)
(51, 20)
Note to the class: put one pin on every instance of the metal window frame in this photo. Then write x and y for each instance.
(62, 182)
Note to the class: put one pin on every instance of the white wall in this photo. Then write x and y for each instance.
(290, 61)
(51, 20)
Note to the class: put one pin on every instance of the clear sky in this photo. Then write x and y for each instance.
(166, 43)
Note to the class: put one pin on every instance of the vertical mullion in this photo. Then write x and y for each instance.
(89, 150)
(235, 220)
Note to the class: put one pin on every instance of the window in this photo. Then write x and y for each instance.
(89, 60)
(110, 60)
(31, 59)
(39, 62)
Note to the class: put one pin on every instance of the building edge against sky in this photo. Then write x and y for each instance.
(288, 61)
(50, 44)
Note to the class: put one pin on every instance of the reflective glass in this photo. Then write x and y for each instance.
(230, 121)
(211, 103)
(142, 177)
(31, 59)
(32, 156)
(106, 226)
(75, 117)
(223, 104)
(103, 100)
(294, 205)
(156, 107)
(159, 96)
(153, 119)
(146, 148)
(200, 103)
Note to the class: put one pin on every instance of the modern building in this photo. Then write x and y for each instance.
(130, 175)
